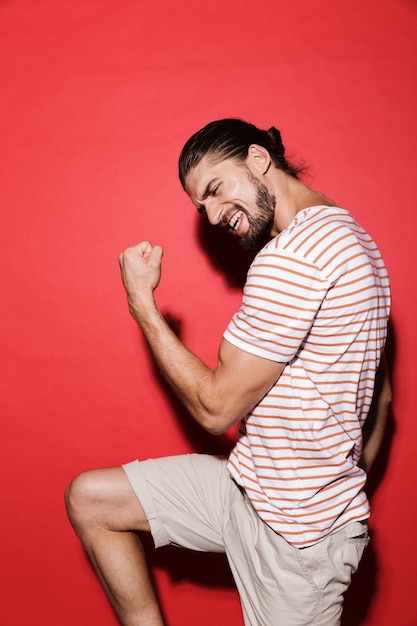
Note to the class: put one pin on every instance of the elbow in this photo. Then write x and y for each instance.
(217, 413)
(217, 424)
(216, 429)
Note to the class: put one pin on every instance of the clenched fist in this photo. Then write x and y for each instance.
(140, 268)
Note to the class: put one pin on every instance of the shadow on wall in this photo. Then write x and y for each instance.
(224, 253)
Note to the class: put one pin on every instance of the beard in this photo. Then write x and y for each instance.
(261, 222)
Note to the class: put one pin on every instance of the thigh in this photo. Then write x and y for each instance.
(186, 499)
(285, 586)
(330, 566)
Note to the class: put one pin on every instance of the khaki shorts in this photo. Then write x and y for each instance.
(191, 501)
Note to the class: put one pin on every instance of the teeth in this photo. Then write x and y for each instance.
(234, 220)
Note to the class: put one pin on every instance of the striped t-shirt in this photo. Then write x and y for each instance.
(316, 298)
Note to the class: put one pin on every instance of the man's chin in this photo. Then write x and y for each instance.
(254, 242)
(250, 244)
(247, 245)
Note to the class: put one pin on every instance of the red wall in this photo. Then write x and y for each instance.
(98, 97)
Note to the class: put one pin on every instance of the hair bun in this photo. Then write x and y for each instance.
(276, 142)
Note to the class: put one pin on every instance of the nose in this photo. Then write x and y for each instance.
(213, 211)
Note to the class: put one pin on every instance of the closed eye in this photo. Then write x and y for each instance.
(208, 192)
(214, 191)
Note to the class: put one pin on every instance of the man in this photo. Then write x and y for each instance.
(296, 367)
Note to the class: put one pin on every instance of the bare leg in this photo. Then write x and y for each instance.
(105, 514)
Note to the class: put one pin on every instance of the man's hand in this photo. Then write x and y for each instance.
(140, 268)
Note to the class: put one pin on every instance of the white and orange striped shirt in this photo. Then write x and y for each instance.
(317, 298)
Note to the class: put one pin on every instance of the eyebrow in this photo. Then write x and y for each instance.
(206, 193)
(207, 190)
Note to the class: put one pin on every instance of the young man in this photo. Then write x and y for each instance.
(296, 367)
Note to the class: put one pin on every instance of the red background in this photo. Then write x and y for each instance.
(98, 97)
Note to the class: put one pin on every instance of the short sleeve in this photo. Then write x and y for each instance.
(281, 298)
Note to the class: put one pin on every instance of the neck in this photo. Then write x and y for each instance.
(293, 196)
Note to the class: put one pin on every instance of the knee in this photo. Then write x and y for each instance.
(80, 500)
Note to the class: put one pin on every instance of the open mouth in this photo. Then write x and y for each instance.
(235, 221)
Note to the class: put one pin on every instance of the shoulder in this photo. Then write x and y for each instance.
(323, 234)
(321, 243)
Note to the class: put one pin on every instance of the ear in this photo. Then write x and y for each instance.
(258, 159)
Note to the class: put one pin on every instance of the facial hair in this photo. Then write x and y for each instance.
(260, 224)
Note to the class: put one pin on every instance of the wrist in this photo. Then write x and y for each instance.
(142, 306)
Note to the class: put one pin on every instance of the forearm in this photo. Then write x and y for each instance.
(190, 378)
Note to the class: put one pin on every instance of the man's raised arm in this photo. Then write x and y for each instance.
(217, 398)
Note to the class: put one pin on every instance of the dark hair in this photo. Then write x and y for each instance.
(230, 139)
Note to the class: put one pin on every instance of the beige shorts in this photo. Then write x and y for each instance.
(191, 501)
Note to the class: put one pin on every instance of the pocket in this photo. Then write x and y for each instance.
(353, 550)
